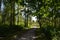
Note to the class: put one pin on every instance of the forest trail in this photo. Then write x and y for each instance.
(28, 35)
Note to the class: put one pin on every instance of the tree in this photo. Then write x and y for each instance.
(44, 8)
(12, 21)
(0, 5)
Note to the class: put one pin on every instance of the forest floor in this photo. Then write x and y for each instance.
(28, 35)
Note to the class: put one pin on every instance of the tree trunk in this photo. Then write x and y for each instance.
(39, 20)
(26, 20)
(0, 6)
(12, 18)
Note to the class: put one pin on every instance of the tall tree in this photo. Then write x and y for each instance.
(0, 5)
(44, 8)
(12, 21)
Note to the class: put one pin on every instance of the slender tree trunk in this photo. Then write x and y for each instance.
(26, 20)
(39, 20)
(18, 15)
(12, 19)
(0, 6)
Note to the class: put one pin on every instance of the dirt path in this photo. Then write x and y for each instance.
(29, 35)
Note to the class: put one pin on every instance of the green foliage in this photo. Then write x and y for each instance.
(47, 12)
(48, 33)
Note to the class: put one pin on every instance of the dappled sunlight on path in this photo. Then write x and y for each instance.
(35, 27)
